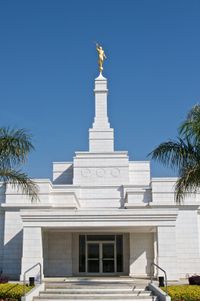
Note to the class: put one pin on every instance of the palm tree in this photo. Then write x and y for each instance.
(183, 155)
(15, 145)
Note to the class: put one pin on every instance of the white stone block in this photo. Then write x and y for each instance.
(139, 173)
(141, 253)
(58, 254)
(62, 173)
(167, 257)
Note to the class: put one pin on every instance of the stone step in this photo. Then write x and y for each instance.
(94, 298)
(90, 286)
(94, 289)
(98, 279)
(122, 299)
(96, 293)
(89, 283)
(92, 280)
(99, 290)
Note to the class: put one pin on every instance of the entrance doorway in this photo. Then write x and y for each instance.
(101, 257)
(101, 254)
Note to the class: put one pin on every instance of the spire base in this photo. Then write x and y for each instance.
(101, 77)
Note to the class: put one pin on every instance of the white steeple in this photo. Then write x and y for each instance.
(101, 136)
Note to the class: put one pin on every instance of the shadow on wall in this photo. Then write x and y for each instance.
(12, 255)
(2, 193)
(64, 177)
(121, 191)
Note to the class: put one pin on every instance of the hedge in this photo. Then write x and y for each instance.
(12, 291)
(184, 292)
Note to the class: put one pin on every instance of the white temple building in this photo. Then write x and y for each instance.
(101, 215)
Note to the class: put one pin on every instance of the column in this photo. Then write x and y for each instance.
(32, 252)
(141, 254)
(155, 248)
(167, 259)
(12, 235)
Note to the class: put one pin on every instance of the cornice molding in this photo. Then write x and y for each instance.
(99, 218)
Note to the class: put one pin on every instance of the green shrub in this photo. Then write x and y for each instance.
(184, 292)
(12, 291)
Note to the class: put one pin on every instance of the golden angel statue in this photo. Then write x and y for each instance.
(102, 56)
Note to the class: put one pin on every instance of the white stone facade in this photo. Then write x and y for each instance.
(101, 214)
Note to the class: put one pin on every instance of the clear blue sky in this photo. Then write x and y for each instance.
(48, 64)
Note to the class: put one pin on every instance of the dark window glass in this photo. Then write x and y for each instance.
(108, 266)
(93, 250)
(93, 266)
(82, 253)
(100, 237)
(108, 251)
(119, 249)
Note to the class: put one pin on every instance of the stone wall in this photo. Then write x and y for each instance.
(12, 250)
(57, 252)
(187, 242)
(141, 253)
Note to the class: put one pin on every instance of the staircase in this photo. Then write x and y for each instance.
(106, 289)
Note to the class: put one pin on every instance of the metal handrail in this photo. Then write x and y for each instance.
(151, 271)
(24, 277)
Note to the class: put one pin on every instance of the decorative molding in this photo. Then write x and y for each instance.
(100, 172)
(101, 218)
(86, 172)
(115, 172)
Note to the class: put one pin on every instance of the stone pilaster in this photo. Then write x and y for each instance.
(32, 251)
(141, 254)
(166, 248)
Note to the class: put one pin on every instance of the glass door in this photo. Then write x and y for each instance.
(93, 257)
(108, 257)
(101, 257)
(101, 254)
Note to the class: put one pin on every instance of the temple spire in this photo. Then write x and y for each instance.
(101, 136)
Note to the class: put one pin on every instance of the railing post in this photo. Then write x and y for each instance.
(24, 276)
(166, 284)
(151, 272)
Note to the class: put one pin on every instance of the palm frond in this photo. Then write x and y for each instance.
(18, 179)
(190, 128)
(188, 182)
(183, 155)
(174, 154)
(15, 145)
